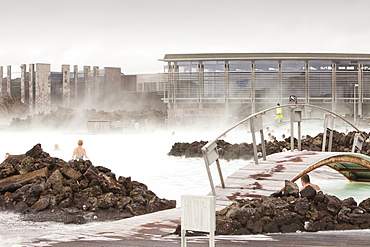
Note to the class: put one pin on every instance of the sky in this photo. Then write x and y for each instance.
(134, 34)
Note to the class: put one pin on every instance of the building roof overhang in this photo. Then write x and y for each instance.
(264, 56)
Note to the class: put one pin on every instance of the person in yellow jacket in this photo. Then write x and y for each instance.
(279, 114)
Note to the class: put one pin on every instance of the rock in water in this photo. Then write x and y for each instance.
(308, 192)
(341, 143)
(291, 189)
(35, 182)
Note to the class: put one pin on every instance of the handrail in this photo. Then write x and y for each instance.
(210, 152)
(206, 147)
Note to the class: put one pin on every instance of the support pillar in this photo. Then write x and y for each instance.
(43, 87)
(8, 79)
(23, 80)
(87, 88)
(201, 85)
(360, 91)
(328, 126)
(334, 86)
(295, 116)
(96, 84)
(66, 85)
(112, 84)
(253, 88)
(291, 129)
(280, 82)
(1, 81)
(256, 126)
(75, 72)
(31, 83)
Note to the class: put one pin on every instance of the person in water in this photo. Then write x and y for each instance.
(305, 180)
(56, 147)
(79, 153)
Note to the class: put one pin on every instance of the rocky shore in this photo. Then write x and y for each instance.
(292, 211)
(44, 188)
(341, 143)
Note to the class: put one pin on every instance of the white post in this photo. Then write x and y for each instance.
(198, 213)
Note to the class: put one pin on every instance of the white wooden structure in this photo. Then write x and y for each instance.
(198, 213)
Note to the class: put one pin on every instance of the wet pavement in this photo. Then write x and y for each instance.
(328, 238)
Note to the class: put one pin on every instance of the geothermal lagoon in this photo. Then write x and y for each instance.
(143, 156)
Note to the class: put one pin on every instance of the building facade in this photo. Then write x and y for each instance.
(43, 90)
(82, 87)
(236, 85)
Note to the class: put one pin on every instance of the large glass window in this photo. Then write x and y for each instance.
(214, 79)
(320, 65)
(188, 67)
(188, 80)
(240, 66)
(320, 79)
(267, 80)
(293, 76)
(366, 79)
(240, 79)
(213, 66)
(347, 79)
(266, 65)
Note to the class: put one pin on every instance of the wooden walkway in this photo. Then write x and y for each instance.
(254, 181)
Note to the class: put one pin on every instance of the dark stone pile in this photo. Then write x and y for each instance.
(35, 182)
(226, 150)
(293, 211)
(341, 143)
(10, 106)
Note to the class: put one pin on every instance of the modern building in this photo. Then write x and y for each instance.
(82, 88)
(234, 85)
(219, 87)
(43, 90)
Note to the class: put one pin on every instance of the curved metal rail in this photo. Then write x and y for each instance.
(210, 152)
(273, 108)
(355, 167)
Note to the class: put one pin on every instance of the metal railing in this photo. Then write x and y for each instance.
(210, 151)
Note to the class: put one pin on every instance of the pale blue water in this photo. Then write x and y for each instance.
(143, 156)
(344, 188)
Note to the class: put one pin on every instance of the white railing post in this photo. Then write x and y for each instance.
(198, 213)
